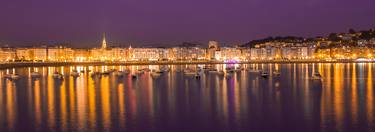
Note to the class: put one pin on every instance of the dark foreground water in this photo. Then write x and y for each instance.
(342, 101)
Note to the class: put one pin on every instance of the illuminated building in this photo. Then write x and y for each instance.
(228, 53)
(213, 46)
(23, 54)
(7, 54)
(81, 55)
(188, 53)
(148, 54)
(118, 54)
(59, 53)
(32, 54)
(246, 54)
(295, 53)
(255, 53)
(107, 54)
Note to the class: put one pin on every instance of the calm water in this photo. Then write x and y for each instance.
(342, 101)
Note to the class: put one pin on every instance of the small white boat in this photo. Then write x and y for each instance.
(118, 73)
(106, 73)
(213, 71)
(35, 74)
(231, 70)
(228, 75)
(221, 73)
(197, 76)
(276, 73)
(126, 72)
(15, 76)
(316, 76)
(7, 76)
(74, 73)
(96, 74)
(140, 72)
(164, 69)
(134, 76)
(157, 71)
(155, 74)
(254, 71)
(146, 70)
(57, 75)
(189, 72)
(265, 74)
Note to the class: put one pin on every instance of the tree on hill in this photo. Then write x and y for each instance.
(366, 35)
(333, 37)
(352, 31)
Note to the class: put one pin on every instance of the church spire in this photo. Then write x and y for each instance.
(104, 43)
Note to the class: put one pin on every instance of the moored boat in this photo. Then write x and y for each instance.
(316, 76)
(264, 74)
(15, 76)
(74, 73)
(155, 74)
(276, 73)
(35, 74)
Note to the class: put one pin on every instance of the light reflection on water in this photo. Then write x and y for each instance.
(342, 101)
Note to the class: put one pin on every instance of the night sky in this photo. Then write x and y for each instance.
(170, 22)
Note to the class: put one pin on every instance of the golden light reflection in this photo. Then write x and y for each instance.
(370, 96)
(105, 102)
(92, 102)
(63, 104)
(1, 98)
(121, 104)
(224, 100)
(338, 99)
(11, 105)
(354, 94)
(72, 102)
(81, 100)
(51, 103)
(37, 103)
(95, 102)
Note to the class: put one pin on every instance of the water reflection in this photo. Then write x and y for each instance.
(342, 101)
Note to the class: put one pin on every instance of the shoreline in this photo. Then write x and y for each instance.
(41, 64)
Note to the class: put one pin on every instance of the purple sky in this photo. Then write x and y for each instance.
(147, 22)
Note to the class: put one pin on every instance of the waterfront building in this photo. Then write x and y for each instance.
(362, 43)
(7, 54)
(107, 54)
(81, 55)
(246, 54)
(23, 54)
(32, 54)
(213, 46)
(99, 54)
(39, 53)
(188, 53)
(118, 54)
(60, 53)
(291, 53)
(228, 54)
(267, 53)
(148, 54)
(372, 42)
(255, 53)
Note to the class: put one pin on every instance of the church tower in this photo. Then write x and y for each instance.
(104, 42)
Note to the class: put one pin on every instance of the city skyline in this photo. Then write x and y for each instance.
(165, 23)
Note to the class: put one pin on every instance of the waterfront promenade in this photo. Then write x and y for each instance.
(36, 64)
